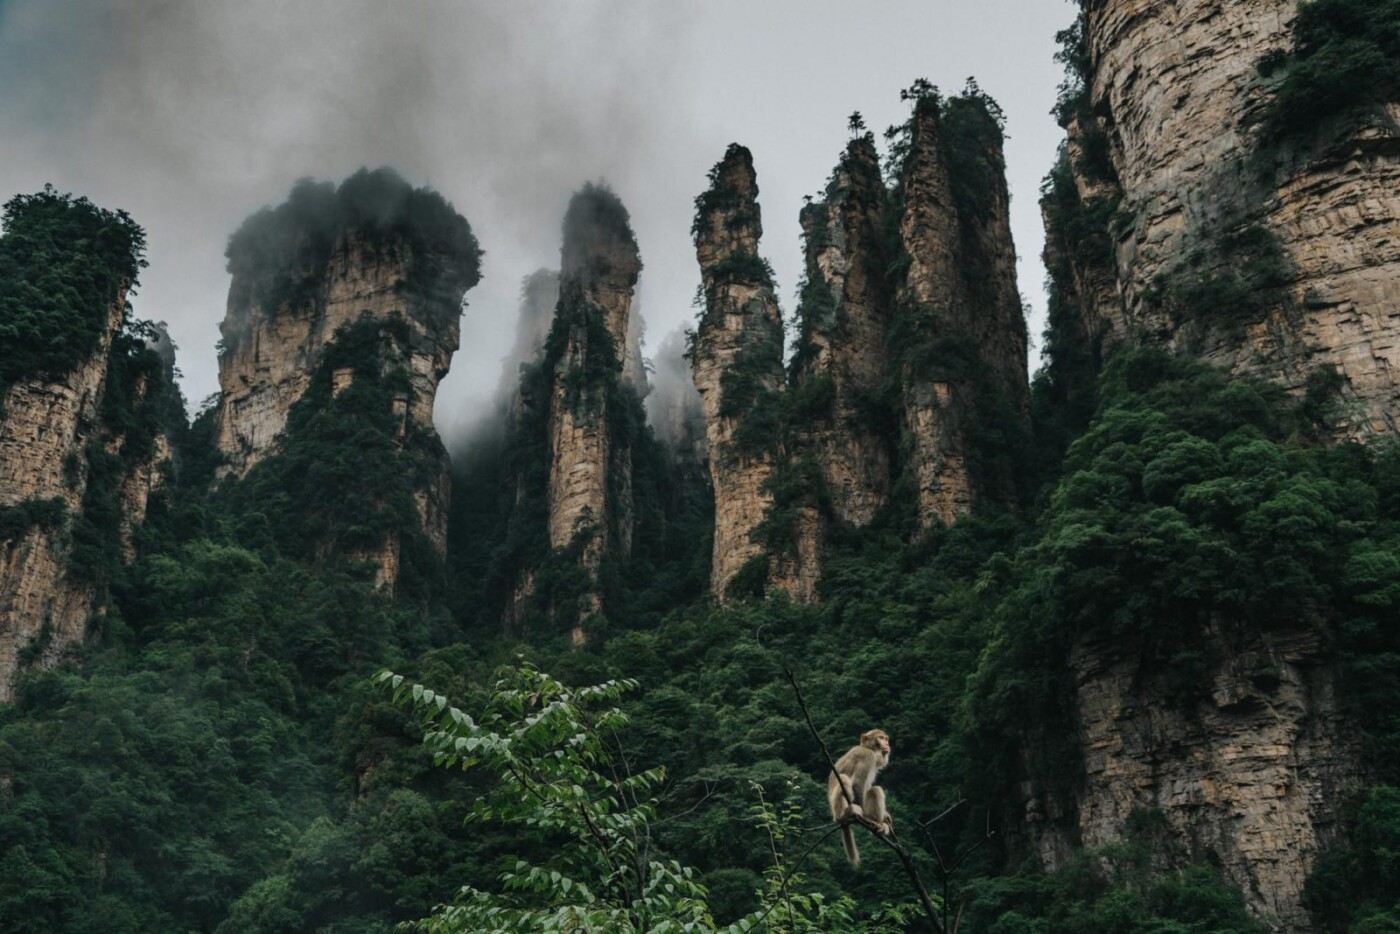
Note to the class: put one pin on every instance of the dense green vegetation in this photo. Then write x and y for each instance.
(63, 263)
(283, 251)
(221, 760)
(343, 483)
(1345, 61)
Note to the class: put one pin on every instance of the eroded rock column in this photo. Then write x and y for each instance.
(738, 356)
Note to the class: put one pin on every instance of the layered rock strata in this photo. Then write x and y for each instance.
(844, 341)
(590, 470)
(737, 365)
(1271, 270)
(48, 426)
(300, 276)
(1249, 779)
(960, 308)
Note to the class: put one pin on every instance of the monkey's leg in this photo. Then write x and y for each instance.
(850, 796)
(875, 809)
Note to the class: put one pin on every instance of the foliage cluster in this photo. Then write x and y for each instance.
(1345, 61)
(64, 262)
(1123, 887)
(19, 518)
(719, 196)
(266, 791)
(1238, 274)
(185, 760)
(343, 479)
(284, 250)
(596, 211)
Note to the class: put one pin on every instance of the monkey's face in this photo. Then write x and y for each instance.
(878, 740)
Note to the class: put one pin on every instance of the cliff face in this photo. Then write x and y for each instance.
(738, 369)
(592, 355)
(46, 425)
(961, 329)
(51, 428)
(1270, 269)
(600, 266)
(1250, 779)
(1175, 220)
(299, 277)
(845, 332)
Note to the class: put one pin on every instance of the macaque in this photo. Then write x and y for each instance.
(857, 770)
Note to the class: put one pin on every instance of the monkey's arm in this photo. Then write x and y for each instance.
(862, 773)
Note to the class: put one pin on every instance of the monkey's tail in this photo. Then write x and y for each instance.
(848, 840)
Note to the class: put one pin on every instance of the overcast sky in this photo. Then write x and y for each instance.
(192, 114)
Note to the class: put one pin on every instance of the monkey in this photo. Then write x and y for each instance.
(857, 770)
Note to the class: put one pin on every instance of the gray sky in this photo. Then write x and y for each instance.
(192, 114)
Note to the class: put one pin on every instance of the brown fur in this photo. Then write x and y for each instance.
(857, 771)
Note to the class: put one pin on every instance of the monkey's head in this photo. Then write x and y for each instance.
(877, 740)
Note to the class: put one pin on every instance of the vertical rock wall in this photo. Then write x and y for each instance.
(1174, 92)
(961, 325)
(738, 368)
(44, 432)
(845, 333)
(299, 276)
(596, 355)
(48, 425)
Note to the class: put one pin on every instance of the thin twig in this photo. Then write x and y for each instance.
(783, 880)
(709, 793)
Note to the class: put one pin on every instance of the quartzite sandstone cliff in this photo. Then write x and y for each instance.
(959, 303)
(49, 427)
(1174, 90)
(590, 469)
(845, 336)
(738, 368)
(909, 316)
(1183, 230)
(299, 277)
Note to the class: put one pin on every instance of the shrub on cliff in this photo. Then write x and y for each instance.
(285, 249)
(63, 261)
(1345, 60)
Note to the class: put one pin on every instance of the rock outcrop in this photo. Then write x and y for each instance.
(592, 362)
(843, 347)
(1173, 219)
(909, 318)
(47, 425)
(51, 429)
(737, 364)
(374, 247)
(1272, 263)
(961, 331)
(1250, 779)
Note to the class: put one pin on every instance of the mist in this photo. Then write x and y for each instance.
(193, 115)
